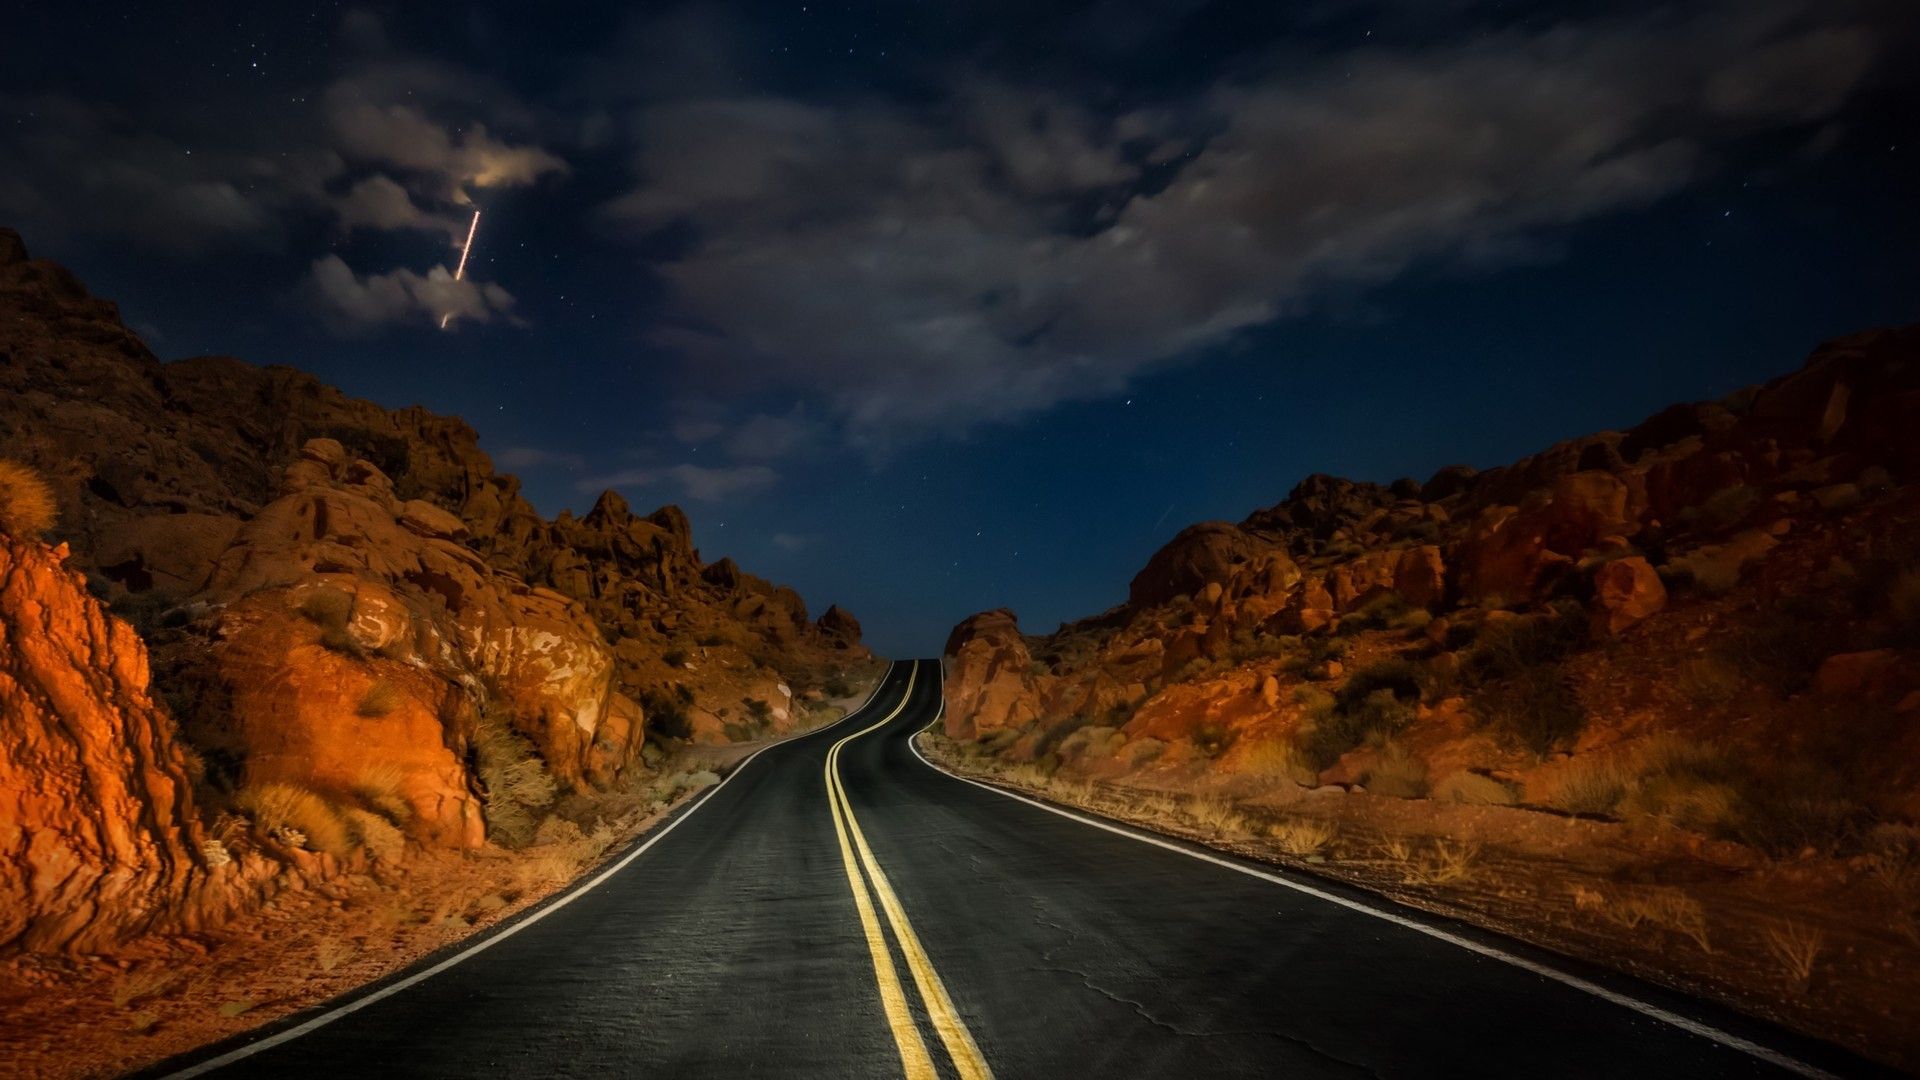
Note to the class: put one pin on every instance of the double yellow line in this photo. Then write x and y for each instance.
(914, 1058)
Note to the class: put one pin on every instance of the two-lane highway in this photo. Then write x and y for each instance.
(838, 907)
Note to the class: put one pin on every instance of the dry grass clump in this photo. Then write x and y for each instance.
(27, 505)
(380, 699)
(1444, 862)
(295, 816)
(376, 834)
(1277, 759)
(1796, 948)
(1301, 837)
(1669, 909)
(1397, 773)
(517, 790)
(1217, 816)
(1474, 789)
(331, 609)
(378, 786)
(1589, 785)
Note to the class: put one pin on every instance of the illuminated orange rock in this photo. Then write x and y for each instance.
(991, 684)
(98, 838)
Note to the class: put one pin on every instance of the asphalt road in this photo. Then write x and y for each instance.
(840, 908)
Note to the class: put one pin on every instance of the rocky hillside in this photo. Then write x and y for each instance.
(1759, 508)
(363, 639)
(1651, 697)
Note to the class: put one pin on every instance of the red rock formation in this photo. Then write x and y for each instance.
(98, 837)
(991, 684)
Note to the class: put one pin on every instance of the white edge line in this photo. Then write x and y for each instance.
(1687, 1024)
(328, 1017)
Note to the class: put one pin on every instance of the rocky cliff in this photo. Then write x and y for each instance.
(362, 636)
(1785, 512)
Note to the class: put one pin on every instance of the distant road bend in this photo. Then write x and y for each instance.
(839, 907)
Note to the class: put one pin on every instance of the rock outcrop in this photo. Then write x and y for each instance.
(98, 834)
(339, 600)
(1699, 500)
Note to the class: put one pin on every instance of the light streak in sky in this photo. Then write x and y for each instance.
(461, 271)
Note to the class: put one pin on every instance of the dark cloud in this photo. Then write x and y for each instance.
(701, 483)
(919, 269)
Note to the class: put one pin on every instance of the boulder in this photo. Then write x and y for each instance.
(991, 684)
(1625, 591)
(1201, 554)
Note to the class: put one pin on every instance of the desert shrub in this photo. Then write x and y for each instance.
(516, 788)
(1404, 679)
(838, 687)
(1785, 643)
(1311, 699)
(1094, 741)
(331, 610)
(666, 714)
(1474, 789)
(1212, 738)
(1707, 681)
(1720, 511)
(27, 505)
(1534, 709)
(708, 641)
(1377, 702)
(1278, 759)
(1397, 773)
(759, 710)
(380, 699)
(1377, 612)
(1589, 785)
(1328, 735)
(675, 658)
(1781, 810)
(1512, 646)
(683, 693)
(295, 816)
(1794, 808)
(1307, 653)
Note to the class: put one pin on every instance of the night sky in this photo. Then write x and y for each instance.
(926, 308)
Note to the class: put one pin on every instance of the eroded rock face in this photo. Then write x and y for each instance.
(421, 614)
(98, 837)
(991, 684)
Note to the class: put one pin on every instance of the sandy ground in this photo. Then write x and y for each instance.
(64, 1017)
(1812, 944)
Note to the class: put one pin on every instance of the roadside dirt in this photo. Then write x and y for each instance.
(1698, 916)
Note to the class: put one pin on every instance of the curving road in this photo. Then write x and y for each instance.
(839, 908)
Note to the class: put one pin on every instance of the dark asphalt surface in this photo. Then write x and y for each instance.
(732, 947)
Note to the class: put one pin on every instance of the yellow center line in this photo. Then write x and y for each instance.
(914, 1059)
(961, 1048)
